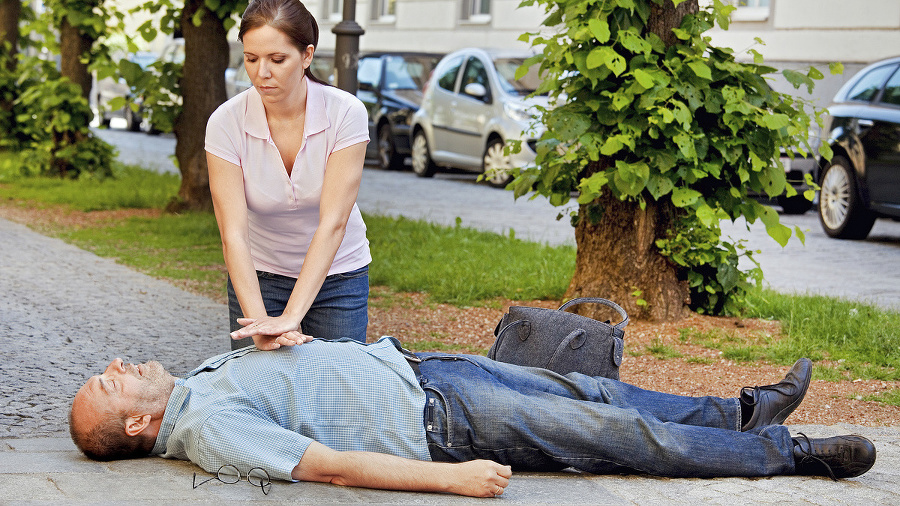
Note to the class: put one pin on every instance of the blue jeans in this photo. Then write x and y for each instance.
(339, 310)
(537, 420)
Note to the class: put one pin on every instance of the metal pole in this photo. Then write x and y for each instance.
(346, 50)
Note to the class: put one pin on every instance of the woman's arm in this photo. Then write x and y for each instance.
(226, 184)
(477, 478)
(343, 173)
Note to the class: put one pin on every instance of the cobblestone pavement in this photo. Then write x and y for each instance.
(67, 313)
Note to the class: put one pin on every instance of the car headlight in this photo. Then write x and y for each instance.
(518, 111)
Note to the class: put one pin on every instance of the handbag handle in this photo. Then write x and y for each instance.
(584, 300)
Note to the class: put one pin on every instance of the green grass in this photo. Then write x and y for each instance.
(662, 351)
(452, 265)
(891, 397)
(463, 266)
(130, 187)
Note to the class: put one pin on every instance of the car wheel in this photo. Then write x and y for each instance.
(104, 120)
(841, 211)
(387, 153)
(422, 164)
(798, 204)
(496, 165)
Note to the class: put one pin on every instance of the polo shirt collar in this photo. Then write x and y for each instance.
(316, 121)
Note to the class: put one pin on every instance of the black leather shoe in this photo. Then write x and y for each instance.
(836, 457)
(773, 403)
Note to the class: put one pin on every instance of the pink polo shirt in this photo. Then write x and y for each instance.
(283, 211)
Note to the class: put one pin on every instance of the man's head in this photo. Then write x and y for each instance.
(117, 414)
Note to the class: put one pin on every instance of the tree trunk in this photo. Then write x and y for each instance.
(617, 258)
(203, 90)
(72, 45)
(617, 255)
(10, 10)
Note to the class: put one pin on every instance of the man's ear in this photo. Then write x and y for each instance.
(135, 424)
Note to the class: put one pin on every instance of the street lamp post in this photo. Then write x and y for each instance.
(346, 50)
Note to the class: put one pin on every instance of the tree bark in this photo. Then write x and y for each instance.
(10, 10)
(73, 43)
(202, 90)
(617, 255)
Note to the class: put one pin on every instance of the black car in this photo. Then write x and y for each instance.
(862, 180)
(390, 85)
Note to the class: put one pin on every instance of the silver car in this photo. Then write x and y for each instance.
(472, 107)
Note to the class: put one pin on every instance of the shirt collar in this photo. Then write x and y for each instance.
(316, 121)
(177, 401)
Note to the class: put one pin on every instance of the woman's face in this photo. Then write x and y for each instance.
(274, 64)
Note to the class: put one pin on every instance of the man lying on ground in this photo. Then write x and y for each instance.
(377, 416)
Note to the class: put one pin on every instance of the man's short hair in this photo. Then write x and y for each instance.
(107, 439)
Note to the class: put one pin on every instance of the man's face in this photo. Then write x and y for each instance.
(125, 388)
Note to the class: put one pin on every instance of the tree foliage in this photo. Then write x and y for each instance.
(45, 114)
(686, 124)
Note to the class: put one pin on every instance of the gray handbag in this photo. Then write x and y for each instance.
(560, 341)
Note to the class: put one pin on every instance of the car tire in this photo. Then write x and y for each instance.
(798, 204)
(422, 164)
(387, 152)
(496, 165)
(841, 210)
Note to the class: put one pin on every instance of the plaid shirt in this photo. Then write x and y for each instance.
(252, 408)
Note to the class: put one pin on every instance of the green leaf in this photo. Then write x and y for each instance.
(775, 121)
(686, 146)
(606, 56)
(684, 197)
(599, 29)
(701, 70)
(568, 125)
(728, 276)
(798, 79)
(836, 68)
(774, 228)
(643, 78)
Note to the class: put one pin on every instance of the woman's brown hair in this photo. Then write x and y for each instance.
(290, 17)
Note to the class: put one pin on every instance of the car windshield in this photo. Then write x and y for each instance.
(507, 67)
(407, 72)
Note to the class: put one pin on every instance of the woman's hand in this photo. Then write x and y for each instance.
(270, 333)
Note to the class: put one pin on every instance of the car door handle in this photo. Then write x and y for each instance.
(865, 123)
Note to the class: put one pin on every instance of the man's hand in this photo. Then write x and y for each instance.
(481, 478)
(270, 333)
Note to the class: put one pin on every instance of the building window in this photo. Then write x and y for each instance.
(334, 10)
(384, 10)
(476, 11)
(750, 10)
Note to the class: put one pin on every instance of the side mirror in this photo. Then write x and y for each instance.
(475, 90)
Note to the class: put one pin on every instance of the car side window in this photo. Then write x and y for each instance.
(892, 90)
(870, 84)
(447, 78)
(369, 71)
(475, 73)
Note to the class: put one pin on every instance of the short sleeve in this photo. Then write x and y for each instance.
(222, 136)
(246, 439)
(353, 126)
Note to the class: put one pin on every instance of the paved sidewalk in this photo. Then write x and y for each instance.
(66, 313)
